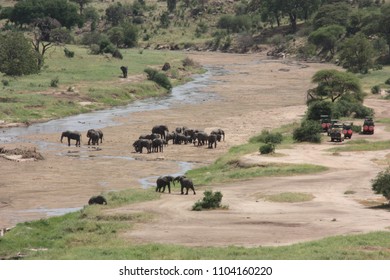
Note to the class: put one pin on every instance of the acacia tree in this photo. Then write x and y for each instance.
(333, 84)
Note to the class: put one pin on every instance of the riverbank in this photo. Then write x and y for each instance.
(254, 93)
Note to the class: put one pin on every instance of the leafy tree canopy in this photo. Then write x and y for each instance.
(17, 56)
(333, 84)
(26, 12)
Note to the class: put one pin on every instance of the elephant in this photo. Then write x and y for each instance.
(181, 138)
(158, 145)
(149, 136)
(170, 136)
(201, 137)
(220, 134)
(185, 183)
(124, 71)
(97, 200)
(143, 143)
(212, 140)
(160, 129)
(164, 181)
(94, 136)
(75, 135)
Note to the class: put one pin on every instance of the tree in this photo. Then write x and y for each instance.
(381, 183)
(47, 31)
(330, 14)
(333, 84)
(17, 56)
(327, 37)
(28, 11)
(357, 54)
(384, 29)
(82, 4)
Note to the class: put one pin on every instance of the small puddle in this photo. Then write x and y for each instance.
(52, 211)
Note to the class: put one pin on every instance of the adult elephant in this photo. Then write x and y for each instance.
(158, 145)
(143, 143)
(97, 200)
(93, 136)
(160, 129)
(163, 182)
(185, 183)
(201, 137)
(74, 135)
(212, 140)
(220, 134)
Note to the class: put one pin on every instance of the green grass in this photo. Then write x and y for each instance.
(93, 78)
(228, 167)
(377, 77)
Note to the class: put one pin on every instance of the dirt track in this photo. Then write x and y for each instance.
(256, 94)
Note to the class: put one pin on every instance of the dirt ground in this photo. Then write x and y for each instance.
(256, 93)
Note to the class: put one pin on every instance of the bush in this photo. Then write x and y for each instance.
(54, 82)
(381, 184)
(68, 53)
(267, 149)
(387, 81)
(210, 201)
(375, 89)
(159, 78)
(5, 83)
(310, 131)
(268, 137)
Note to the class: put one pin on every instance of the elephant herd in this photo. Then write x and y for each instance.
(165, 181)
(155, 142)
(94, 136)
(161, 137)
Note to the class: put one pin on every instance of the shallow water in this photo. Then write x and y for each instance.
(192, 92)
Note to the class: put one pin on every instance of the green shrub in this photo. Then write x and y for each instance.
(387, 82)
(356, 128)
(381, 184)
(5, 83)
(268, 137)
(309, 131)
(375, 89)
(234, 23)
(318, 108)
(267, 149)
(159, 78)
(211, 200)
(54, 82)
(68, 53)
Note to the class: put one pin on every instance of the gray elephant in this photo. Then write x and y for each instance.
(164, 181)
(160, 129)
(94, 136)
(201, 138)
(158, 145)
(97, 200)
(143, 143)
(74, 135)
(220, 134)
(212, 140)
(149, 136)
(185, 183)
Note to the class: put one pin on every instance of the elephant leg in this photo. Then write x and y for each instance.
(89, 141)
(68, 141)
(169, 187)
(182, 188)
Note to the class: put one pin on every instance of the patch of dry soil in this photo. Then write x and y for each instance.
(257, 93)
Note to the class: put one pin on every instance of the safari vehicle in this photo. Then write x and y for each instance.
(336, 133)
(325, 122)
(332, 123)
(368, 126)
(347, 130)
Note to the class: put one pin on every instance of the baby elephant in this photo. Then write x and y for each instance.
(97, 200)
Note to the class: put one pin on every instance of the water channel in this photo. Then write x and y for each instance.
(193, 92)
